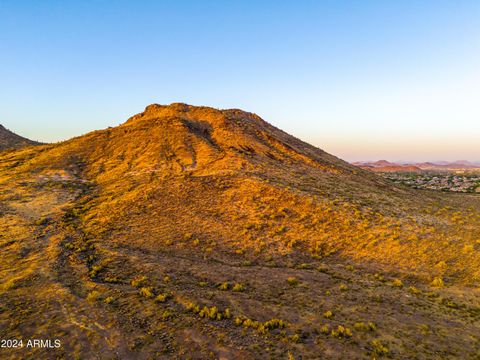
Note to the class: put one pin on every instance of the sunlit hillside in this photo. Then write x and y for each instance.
(191, 232)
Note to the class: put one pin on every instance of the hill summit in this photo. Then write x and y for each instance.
(202, 138)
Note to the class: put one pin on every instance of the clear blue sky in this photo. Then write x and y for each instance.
(360, 79)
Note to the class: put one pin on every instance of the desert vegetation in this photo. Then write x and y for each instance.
(193, 232)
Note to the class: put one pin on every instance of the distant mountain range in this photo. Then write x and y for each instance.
(387, 166)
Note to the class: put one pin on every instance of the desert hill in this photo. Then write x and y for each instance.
(10, 140)
(392, 168)
(210, 233)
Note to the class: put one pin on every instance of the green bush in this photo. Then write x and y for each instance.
(397, 283)
(341, 331)
(378, 348)
(146, 292)
(224, 286)
(93, 296)
(161, 298)
(238, 288)
(292, 281)
(438, 282)
(361, 326)
(138, 281)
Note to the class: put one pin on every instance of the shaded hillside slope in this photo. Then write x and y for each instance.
(148, 232)
(10, 140)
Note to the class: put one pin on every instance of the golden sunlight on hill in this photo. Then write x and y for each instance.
(191, 231)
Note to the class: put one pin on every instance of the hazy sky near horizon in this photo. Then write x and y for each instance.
(364, 80)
